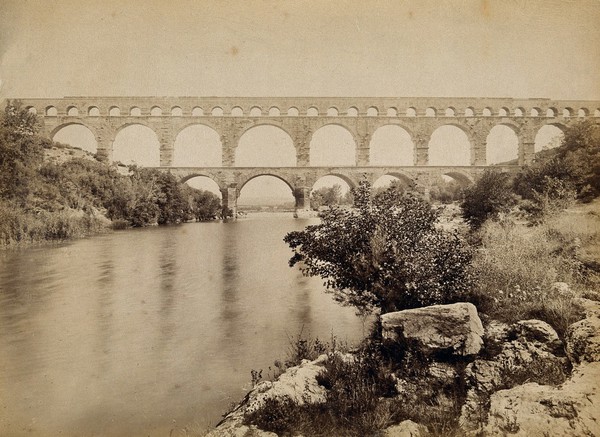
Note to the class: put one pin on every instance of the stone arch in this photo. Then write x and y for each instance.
(255, 111)
(200, 144)
(347, 177)
(274, 111)
(503, 112)
(534, 112)
(218, 181)
(597, 112)
(372, 111)
(462, 177)
(237, 111)
(31, 109)
(352, 112)
(391, 145)
(450, 145)
(293, 112)
(135, 111)
(156, 111)
(76, 134)
(470, 112)
(487, 112)
(217, 111)
(519, 111)
(197, 111)
(551, 112)
(344, 147)
(502, 144)
(114, 111)
(141, 145)
(583, 112)
(93, 111)
(405, 178)
(245, 178)
(333, 112)
(567, 112)
(411, 112)
(51, 111)
(450, 112)
(313, 111)
(267, 141)
(549, 136)
(392, 112)
(72, 111)
(430, 112)
(176, 111)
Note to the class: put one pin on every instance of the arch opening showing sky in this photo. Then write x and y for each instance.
(332, 145)
(450, 146)
(265, 190)
(137, 144)
(265, 146)
(204, 183)
(197, 146)
(390, 146)
(77, 135)
(502, 145)
(548, 137)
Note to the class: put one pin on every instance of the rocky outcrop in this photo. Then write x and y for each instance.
(408, 428)
(454, 328)
(583, 337)
(536, 410)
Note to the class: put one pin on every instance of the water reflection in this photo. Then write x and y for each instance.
(143, 332)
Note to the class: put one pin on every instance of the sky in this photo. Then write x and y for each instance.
(515, 48)
(442, 48)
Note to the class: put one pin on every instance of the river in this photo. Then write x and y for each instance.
(151, 332)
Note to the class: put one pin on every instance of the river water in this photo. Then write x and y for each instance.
(151, 332)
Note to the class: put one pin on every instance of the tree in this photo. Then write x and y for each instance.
(385, 254)
(326, 196)
(490, 196)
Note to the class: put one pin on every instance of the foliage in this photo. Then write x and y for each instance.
(385, 254)
(489, 197)
(329, 196)
(445, 191)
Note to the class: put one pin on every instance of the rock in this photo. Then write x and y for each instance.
(562, 289)
(454, 328)
(528, 357)
(407, 428)
(540, 333)
(589, 307)
(298, 384)
(583, 340)
(536, 410)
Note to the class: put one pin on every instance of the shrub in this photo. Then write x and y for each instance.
(490, 196)
(386, 254)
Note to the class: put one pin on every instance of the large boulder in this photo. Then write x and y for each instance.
(407, 428)
(536, 410)
(583, 337)
(527, 351)
(454, 328)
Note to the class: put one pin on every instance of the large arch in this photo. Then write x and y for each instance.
(502, 145)
(332, 145)
(205, 183)
(197, 146)
(76, 135)
(548, 136)
(391, 145)
(265, 189)
(265, 145)
(449, 145)
(137, 144)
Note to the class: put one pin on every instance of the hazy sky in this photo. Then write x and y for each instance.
(517, 48)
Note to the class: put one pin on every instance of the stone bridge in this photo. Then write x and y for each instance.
(301, 117)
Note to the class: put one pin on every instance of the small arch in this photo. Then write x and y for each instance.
(535, 112)
(197, 111)
(72, 111)
(411, 112)
(217, 111)
(503, 112)
(332, 112)
(392, 112)
(567, 112)
(430, 112)
(176, 111)
(372, 112)
(551, 112)
(293, 112)
(51, 111)
(597, 113)
(583, 112)
(519, 112)
(487, 112)
(274, 111)
(236, 111)
(156, 111)
(312, 112)
(450, 112)
(93, 111)
(114, 111)
(255, 111)
(352, 112)
(31, 110)
(470, 112)
(135, 111)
